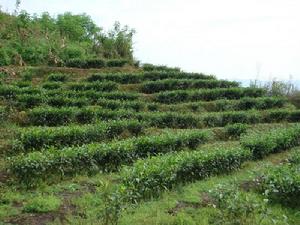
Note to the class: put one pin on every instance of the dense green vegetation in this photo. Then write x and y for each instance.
(87, 136)
(66, 39)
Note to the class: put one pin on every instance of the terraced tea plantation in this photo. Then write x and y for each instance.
(146, 148)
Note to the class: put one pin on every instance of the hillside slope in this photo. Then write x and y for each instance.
(114, 145)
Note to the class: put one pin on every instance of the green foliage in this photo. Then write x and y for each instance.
(4, 57)
(97, 86)
(282, 184)
(106, 156)
(41, 137)
(295, 99)
(45, 40)
(170, 97)
(151, 67)
(236, 207)
(235, 130)
(42, 204)
(51, 85)
(148, 178)
(57, 77)
(264, 143)
(295, 157)
(47, 116)
(86, 63)
(176, 84)
(127, 78)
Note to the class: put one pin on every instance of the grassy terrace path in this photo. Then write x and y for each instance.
(124, 146)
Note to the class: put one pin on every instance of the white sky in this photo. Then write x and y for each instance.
(233, 39)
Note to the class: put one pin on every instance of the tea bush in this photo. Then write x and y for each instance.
(264, 143)
(282, 184)
(57, 77)
(37, 138)
(148, 178)
(170, 97)
(176, 84)
(106, 156)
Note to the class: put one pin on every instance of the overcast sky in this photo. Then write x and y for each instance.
(233, 39)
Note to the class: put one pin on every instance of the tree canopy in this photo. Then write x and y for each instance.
(47, 40)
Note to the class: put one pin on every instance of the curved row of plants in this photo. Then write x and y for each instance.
(170, 97)
(177, 84)
(132, 78)
(61, 116)
(26, 101)
(36, 138)
(105, 156)
(10, 92)
(149, 177)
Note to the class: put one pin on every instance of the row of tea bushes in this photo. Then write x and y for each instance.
(148, 178)
(81, 86)
(60, 116)
(51, 116)
(36, 138)
(108, 91)
(106, 156)
(177, 84)
(10, 91)
(57, 77)
(245, 103)
(96, 63)
(28, 101)
(131, 78)
(170, 97)
(97, 86)
(262, 144)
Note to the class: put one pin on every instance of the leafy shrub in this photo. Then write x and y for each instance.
(4, 57)
(48, 116)
(40, 165)
(295, 157)
(239, 207)
(282, 184)
(86, 63)
(40, 137)
(28, 101)
(42, 204)
(57, 77)
(149, 177)
(129, 78)
(235, 130)
(151, 67)
(295, 99)
(51, 85)
(61, 101)
(170, 97)
(176, 84)
(265, 143)
(97, 86)
(170, 119)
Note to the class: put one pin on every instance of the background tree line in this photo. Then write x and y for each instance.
(47, 40)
